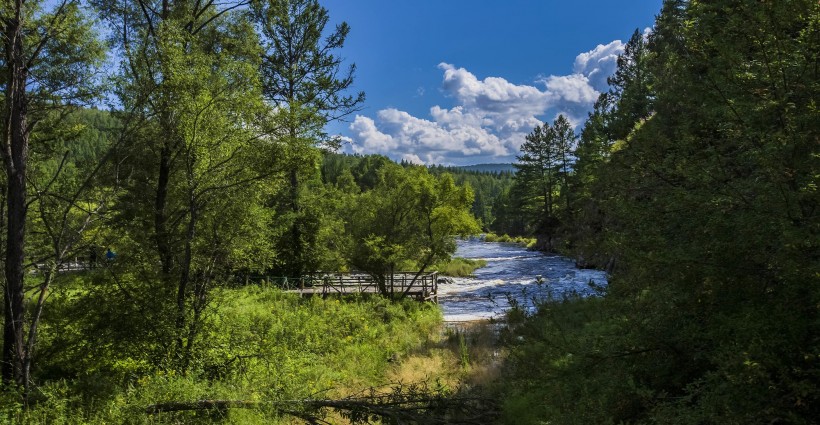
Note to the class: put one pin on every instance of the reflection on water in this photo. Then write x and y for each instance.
(511, 272)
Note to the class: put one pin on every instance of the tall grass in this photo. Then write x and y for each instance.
(460, 267)
(262, 345)
(519, 240)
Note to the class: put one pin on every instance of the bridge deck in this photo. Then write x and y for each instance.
(423, 287)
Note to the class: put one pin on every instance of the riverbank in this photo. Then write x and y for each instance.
(262, 347)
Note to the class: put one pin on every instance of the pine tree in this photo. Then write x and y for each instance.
(304, 80)
(542, 167)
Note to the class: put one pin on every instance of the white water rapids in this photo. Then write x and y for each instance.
(512, 272)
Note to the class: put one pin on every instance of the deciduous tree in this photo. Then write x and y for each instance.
(50, 56)
(190, 78)
(410, 219)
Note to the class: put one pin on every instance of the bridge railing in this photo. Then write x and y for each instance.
(420, 285)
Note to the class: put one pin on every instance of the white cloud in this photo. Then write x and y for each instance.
(573, 88)
(412, 158)
(491, 116)
(599, 63)
(420, 135)
(369, 138)
(493, 94)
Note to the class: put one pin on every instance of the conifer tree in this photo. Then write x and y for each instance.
(542, 167)
(303, 78)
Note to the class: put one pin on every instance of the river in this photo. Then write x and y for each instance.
(512, 272)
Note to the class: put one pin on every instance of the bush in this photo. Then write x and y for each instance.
(566, 365)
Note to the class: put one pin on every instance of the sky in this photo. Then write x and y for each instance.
(458, 82)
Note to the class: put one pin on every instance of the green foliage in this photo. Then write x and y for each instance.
(488, 186)
(52, 57)
(305, 84)
(697, 177)
(191, 151)
(410, 219)
(263, 345)
(695, 183)
(520, 240)
(206, 172)
(542, 179)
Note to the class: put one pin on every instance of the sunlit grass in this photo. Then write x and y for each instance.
(460, 267)
(520, 240)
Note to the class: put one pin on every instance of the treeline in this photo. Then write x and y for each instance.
(209, 168)
(695, 179)
(489, 187)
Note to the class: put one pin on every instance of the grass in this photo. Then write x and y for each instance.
(465, 357)
(262, 345)
(460, 267)
(519, 240)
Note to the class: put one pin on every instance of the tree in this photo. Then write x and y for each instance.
(708, 197)
(190, 79)
(542, 167)
(410, 219)
(564, 139)
(303, 79)
(616, 114)
(48, 67)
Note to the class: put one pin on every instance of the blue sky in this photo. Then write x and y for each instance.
(462, 82)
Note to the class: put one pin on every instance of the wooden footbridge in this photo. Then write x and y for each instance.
(419, 286)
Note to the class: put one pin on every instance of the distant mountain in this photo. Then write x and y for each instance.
(489, 168)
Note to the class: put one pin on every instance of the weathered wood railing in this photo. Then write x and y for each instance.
(421, 286)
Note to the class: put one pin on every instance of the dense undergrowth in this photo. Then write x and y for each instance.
(262, 345)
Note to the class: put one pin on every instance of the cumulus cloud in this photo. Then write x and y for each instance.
(369, 138)
(412, 158)
(573, 88)
(493, 94)
(491, 116)
(599, 63)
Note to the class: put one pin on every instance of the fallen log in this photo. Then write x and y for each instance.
(428, 410)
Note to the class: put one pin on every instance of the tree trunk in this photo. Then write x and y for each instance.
(32, 331)
(160, 213)
(296, 267)
(15, 155)
(182, 287)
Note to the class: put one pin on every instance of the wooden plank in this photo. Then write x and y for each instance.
(424, 288)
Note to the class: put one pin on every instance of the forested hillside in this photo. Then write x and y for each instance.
(695, 179)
